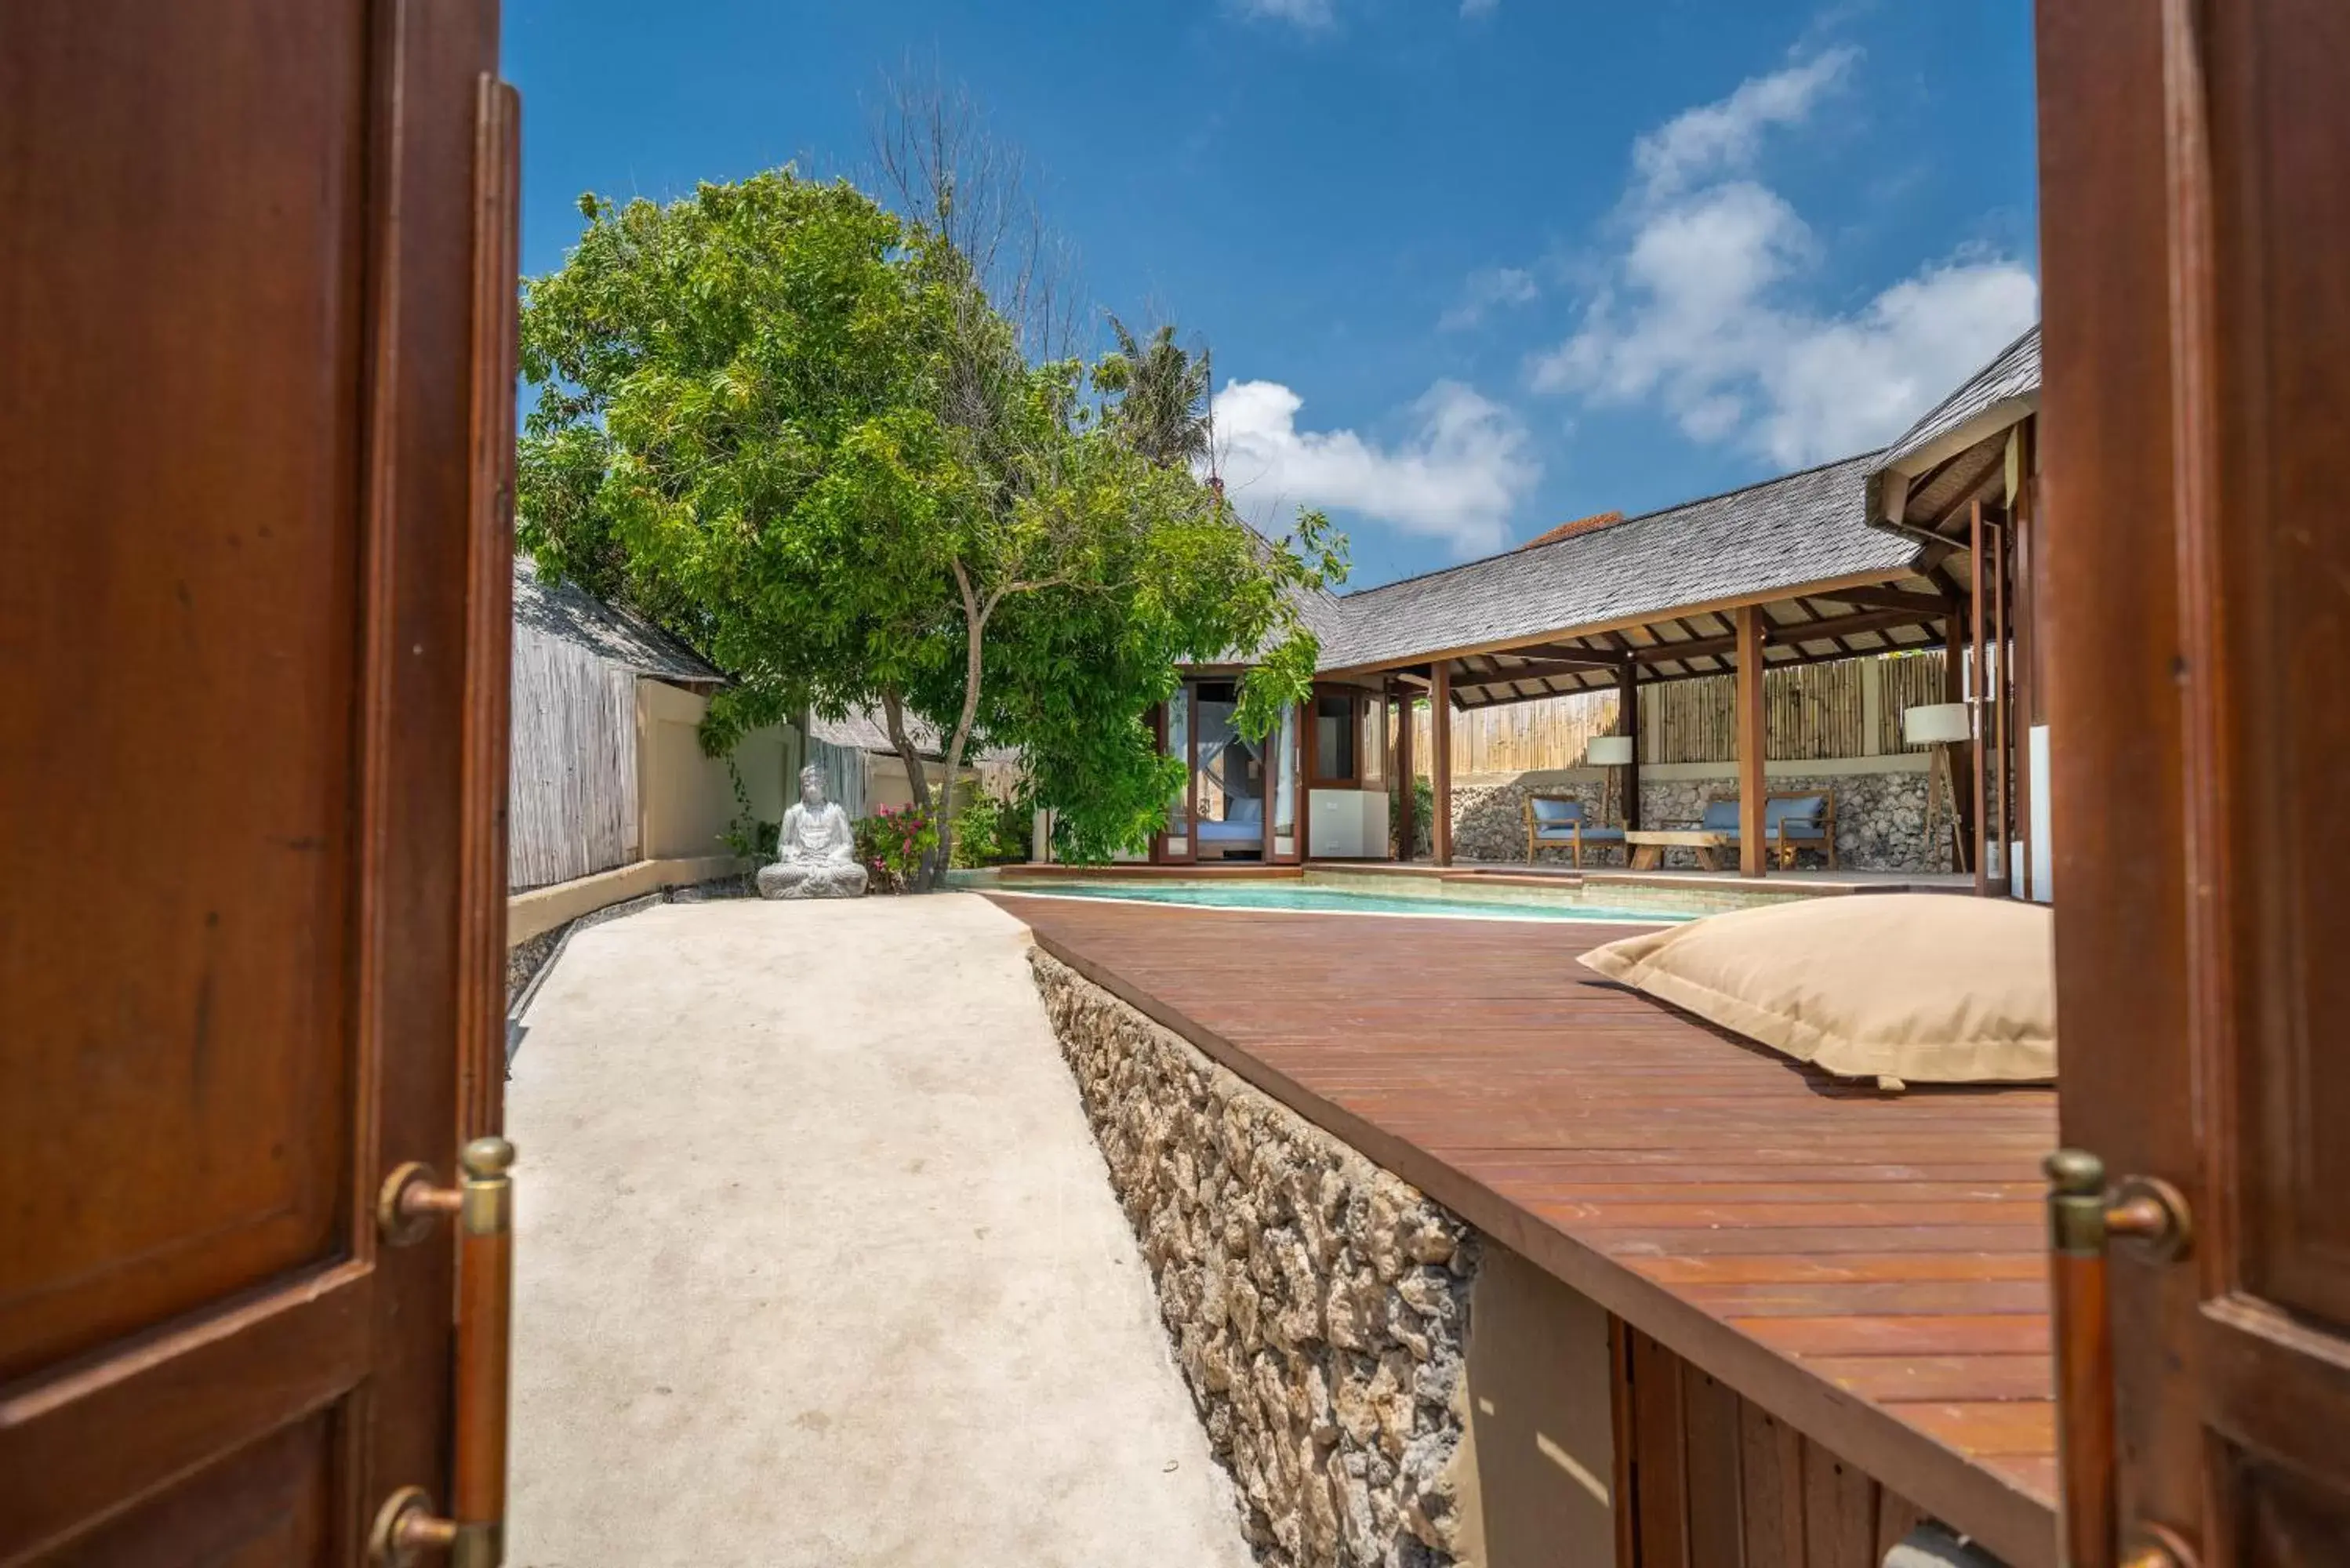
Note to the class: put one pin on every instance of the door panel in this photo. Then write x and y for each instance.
(247, 286)
(2279, 146)
(269, 1503)
(202, 566)
(2198, 355)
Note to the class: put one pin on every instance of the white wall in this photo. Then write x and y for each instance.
(1347, 825)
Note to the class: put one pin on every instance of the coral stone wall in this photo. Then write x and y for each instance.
(1317, 1304)
(1880, 816)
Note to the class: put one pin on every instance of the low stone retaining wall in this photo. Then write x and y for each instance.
(1318, 1305)
(1880, 814)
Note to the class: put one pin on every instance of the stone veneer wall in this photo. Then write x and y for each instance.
(1318, 1305)
(1880, 816)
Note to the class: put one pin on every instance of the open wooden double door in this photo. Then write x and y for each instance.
(256, 369)
(2194, 198)
(257, 278)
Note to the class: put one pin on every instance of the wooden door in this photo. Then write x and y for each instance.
(256, 286)
(2195, 467)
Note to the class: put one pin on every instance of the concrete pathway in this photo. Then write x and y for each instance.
(819, 1263)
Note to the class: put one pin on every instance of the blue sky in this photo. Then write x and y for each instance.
(1469, 269)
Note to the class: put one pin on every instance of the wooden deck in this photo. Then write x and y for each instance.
(1868, 1268)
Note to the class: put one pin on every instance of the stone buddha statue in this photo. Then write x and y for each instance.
(815, 853)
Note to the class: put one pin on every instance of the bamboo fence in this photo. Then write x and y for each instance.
(572, 794)
(1816, 712)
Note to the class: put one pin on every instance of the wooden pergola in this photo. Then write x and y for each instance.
(1805, 569)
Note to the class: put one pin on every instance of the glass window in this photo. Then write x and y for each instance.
(1335, 739)
(1284, 801)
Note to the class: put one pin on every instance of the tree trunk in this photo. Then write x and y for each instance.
(975, 627)
(917, 779)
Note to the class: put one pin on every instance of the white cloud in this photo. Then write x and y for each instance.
(1717, 136)
(1695, 312)
(1310, 14)
(1479, 8)
(1484, 291)
(1457, 478)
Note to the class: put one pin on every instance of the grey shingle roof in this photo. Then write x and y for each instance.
(2013, 372)
(570, 612)
(1782, 533)
(863, 730)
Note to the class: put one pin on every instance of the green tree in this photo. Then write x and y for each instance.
(785, 424)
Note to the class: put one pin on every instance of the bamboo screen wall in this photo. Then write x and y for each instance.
(1816, 712)
(572, 794)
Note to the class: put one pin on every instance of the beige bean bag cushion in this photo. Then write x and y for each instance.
(1929, 988)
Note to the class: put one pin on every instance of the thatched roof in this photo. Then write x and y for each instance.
(570, 613)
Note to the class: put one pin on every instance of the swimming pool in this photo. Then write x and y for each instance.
(1302, 898)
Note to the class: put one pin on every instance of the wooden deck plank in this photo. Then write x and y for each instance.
(1867, 1267)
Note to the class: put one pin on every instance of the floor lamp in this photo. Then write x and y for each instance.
(1610, 752)
(1942, 725)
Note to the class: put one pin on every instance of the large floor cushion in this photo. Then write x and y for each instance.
(1929, 988)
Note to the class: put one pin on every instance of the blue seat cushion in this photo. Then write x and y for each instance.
(1554, 834)
(1796, 817)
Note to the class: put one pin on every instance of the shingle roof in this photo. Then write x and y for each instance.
(863, 730)
(1807, 527)
(2013, 372)
(567, 611)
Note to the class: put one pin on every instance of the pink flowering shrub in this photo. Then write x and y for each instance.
(892, 844)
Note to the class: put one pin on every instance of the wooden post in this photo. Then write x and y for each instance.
(1958, 759)
(1408, 792)
(1439, 761)
(1628, 722)
(1753, 743)
(2000, 670)
(1978, 688)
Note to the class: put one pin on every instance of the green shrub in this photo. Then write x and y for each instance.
(990, 831)
(1423, 818)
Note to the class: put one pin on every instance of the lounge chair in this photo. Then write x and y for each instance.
(1561, 822)
(1790, 821)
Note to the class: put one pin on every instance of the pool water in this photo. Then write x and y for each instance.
(1330, 901)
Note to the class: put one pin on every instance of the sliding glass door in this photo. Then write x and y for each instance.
(1241, 799)
(1176, 728)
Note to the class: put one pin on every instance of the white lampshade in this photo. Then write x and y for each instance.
(1609, 752)
(1937, 722)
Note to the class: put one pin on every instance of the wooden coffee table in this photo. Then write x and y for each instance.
(1648, 847)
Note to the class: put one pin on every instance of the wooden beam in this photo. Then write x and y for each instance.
(1439, 764)
(1535, 669)
(1628, 722)
(1805, 631)
(1961, 755)
(1609, 658)
(1897, 598)
(1993, 460)
(1752, 742)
